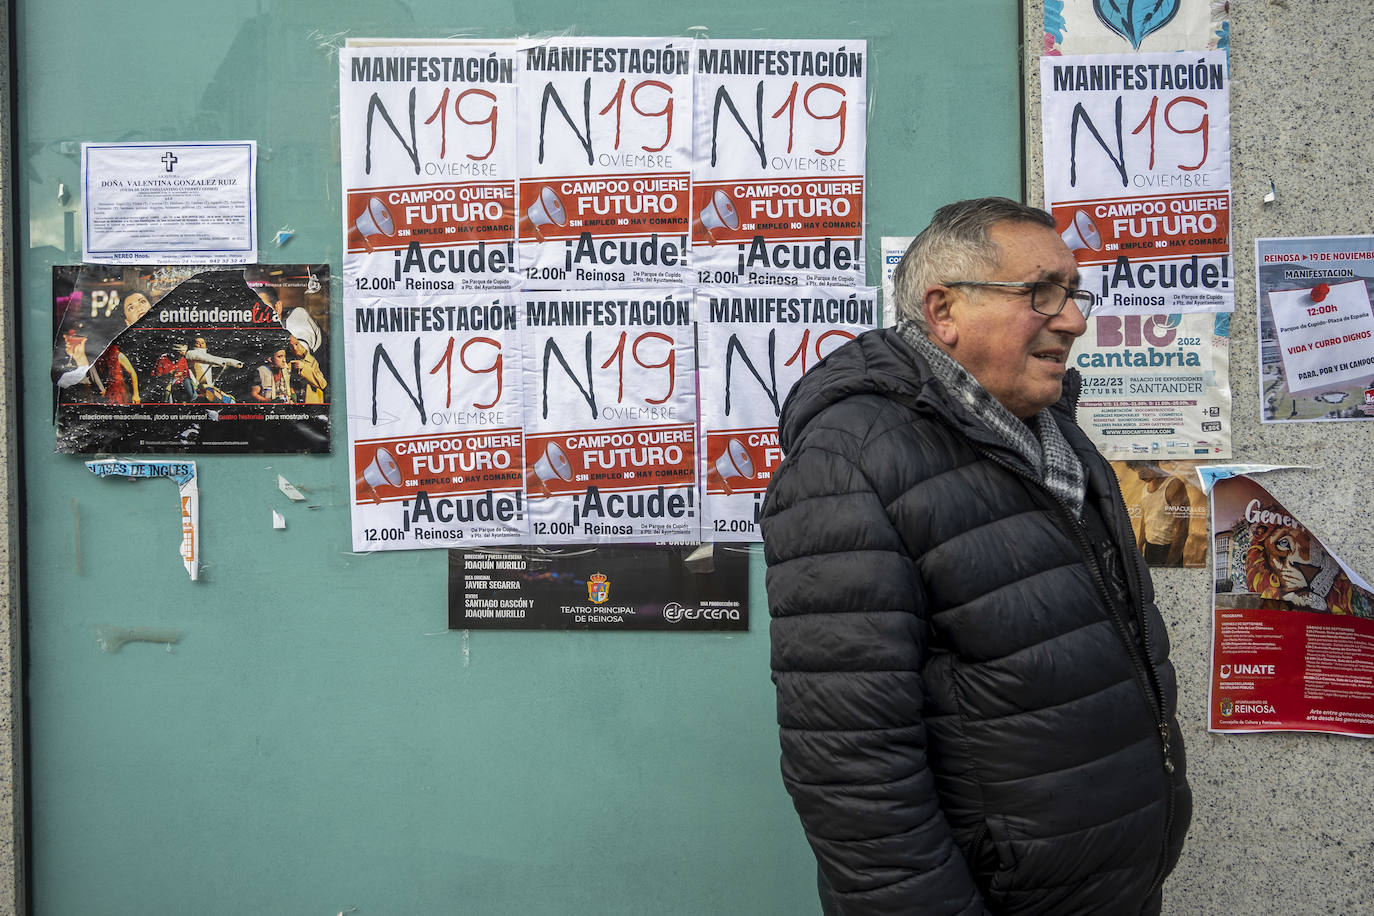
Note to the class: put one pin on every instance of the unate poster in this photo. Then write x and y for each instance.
(1156, 386)
(436, 445)
(1316, 330)
(778, 188)
(610, 412)
(754, 343)
(427, 155)
(663, 587)
(1137, 151)
(605, 153)
(179, 359)
(1292, 625)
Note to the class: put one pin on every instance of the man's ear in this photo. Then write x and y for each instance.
(937, 305)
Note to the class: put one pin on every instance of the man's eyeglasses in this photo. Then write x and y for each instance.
(1046, 297)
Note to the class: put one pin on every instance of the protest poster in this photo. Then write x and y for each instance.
(1138, 177)
(1292, 625)
(169, 203)
(1156, 386)
(183, 359)
(754, 343)
(605, 157)
(427, 154)
(434, 421)
(608, 587)
(1316, 330)
(610, 414)
(1168, 511)
(778, 186)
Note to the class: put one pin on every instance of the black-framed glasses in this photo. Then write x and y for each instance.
(1046, 297)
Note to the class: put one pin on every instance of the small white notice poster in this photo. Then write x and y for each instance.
(169, 203)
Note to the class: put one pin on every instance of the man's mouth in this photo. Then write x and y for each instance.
(1052, 356)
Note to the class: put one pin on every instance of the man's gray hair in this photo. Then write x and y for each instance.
(955, 246)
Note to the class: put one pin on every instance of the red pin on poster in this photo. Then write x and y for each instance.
(1320, 291)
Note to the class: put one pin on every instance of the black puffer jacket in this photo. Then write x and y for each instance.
(974, 693)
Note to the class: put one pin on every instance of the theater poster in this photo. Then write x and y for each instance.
(1137, 151)
(184, 359)
(605, 154)
(778, 189)
(664, 587)
(1292, 625)
(754, 343)
(1316, 330)
(427, 154)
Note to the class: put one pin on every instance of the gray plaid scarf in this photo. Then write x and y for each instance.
(1039, 441)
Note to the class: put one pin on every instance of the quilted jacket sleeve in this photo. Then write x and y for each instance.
(848, 640)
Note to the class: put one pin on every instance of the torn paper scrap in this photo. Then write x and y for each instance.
(184, 473)
(289, 489)
(278, 522)
(112, 639)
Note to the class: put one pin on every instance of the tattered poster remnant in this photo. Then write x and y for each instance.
(184, 474)
(1110, 26)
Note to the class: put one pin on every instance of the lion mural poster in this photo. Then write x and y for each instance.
(1292, 626)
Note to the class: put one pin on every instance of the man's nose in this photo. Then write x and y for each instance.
(1070, 320)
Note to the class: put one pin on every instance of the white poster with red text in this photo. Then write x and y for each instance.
(1137, 153)
(427, 139)
(610, 416)
(434, 421)
(754, 343)
(605, 153)
(778, 188)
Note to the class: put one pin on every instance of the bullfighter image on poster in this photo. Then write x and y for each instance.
(177, 359)
(610, 416)
(427, 150)
(665, 587)
(605, 153)
(778, 187)
(753, 344)
(1292, 625)
(434, 421)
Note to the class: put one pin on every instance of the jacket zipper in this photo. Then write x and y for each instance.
(1139, 655)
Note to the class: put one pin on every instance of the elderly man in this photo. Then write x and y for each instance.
(974, 692)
